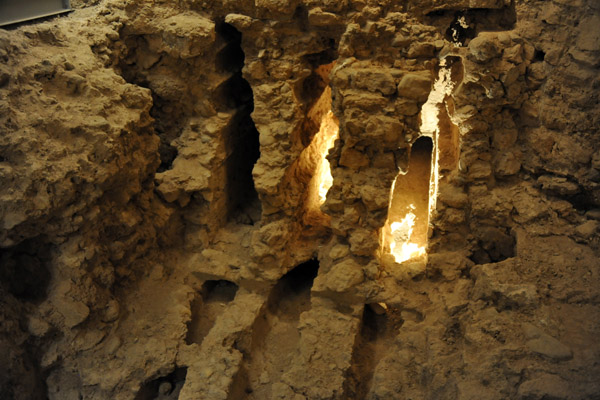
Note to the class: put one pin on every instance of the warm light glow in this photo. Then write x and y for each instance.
(327, 135)
(397, 233)
(400, 246)
(442, 87)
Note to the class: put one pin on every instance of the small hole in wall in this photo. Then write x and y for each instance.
(493, 245)
(24, 269)
(207, 306)
(460, 30)
(300, 278)
(163, 388)
(465, 25)
(538, 55)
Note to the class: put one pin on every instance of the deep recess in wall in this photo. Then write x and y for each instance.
(168, 120)
(241, 136)
(169, 115)
(275, 333)
(311, 89)
(460, 26)
(21, 375)
(405, 232)
(163, 388)
(379, 325)
(24, 271)
(207, 306)
(494, 244)
(319, 131)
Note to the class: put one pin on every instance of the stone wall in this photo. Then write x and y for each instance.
(153, 151)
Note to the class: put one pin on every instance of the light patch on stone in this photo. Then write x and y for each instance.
(328, 133)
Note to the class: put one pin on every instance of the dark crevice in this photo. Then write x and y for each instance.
(494, 244)
(21, 375)
(301, 17)
(311, 90)
(315, 83)
(163, 388)
(298, 280)
(207, 306)
(24, 270)
(169, 114)
(168, 124)
(275, 334)
(241, 136)
(538, 55)
(378, 327)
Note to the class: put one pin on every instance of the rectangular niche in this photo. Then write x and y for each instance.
(414, 192)
(406, 229)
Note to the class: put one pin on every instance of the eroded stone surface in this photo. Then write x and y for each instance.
(123, 193)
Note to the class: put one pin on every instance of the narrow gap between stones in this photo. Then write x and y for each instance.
(138, 66)
(319, 131)
(241, 136)
(494, 244)
(275, 334)
(207, 306)
(163, 388)
(379, 327)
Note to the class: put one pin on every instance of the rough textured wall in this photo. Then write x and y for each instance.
(159, 235)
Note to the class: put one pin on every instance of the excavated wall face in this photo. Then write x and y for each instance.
(167, 229)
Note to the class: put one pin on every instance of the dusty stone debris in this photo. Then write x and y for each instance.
(301, 199)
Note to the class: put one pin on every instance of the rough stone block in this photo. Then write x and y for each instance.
(416, 85)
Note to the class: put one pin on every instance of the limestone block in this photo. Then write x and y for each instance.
(484, 47)
(364, 101)
(374, 79)
(241, 22)
(544, 344)
(353, 158)
(479, 170)
(73, 311)
(339, 251)
(186, 35)
(341, 278)
(277, 6)
(364, 242)
(558, 184)
(545, 386)
(452, 196)
(375, 198)
(418, 50)
(490, 285)
(506, 163)
(587, 229)
(589, 34)
(318, 17)
(416, 85)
